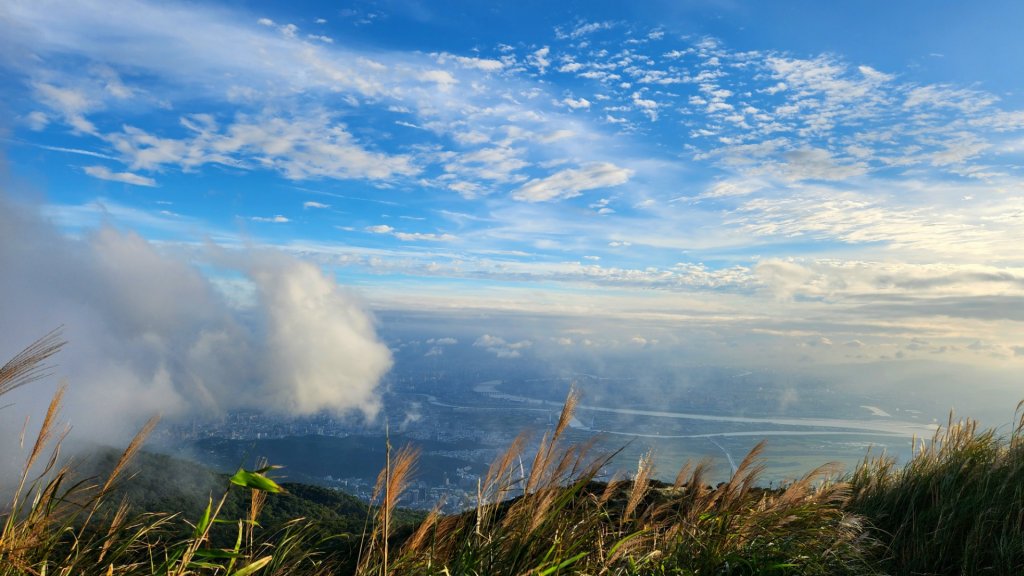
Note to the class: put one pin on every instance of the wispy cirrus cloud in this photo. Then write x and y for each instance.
(278, 219)
(572, 182)
(411, 236)
(104, 173)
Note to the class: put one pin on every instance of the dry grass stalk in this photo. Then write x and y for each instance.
(744, 478)
(419, 537)
(500, 479)
(257, 498)
(610, 489)
(545, 452)
(122, 462)
(129, 452)
(28, 365)
(644, 471)
(391, 483)
(115, 524)
(46, 430)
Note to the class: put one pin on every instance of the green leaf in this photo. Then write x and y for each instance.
(215, 553)
(252, 568)
(238, 545)
(256, 481)
(204, 522)
(618, 544)
(565, 563)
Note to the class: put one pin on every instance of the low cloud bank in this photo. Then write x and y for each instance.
(148, 332)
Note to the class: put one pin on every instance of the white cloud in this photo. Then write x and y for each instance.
(278, 219)
(427, 237)
(300, 148)
(483, 64)
(500, 348)
(289, 30)
(148, 333)
(78, 151)
(322, 347)
(584, 29)
(821, 212)
(539, 59)
(312, 204)
(872, 74)
(72, 104)
(817, 164)
(410, 236)
(572, 182)
(941, 96)
(104, 173)
(864, 281)
(37, 120)
(442, 78)
(580, 103)
(648, 106)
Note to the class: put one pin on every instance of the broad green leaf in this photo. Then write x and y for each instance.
(256, 481)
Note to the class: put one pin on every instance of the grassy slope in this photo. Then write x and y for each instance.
(956, 508)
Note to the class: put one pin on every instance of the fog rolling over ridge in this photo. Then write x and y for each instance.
(148, 333)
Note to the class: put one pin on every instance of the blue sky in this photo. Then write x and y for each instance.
(843, 178)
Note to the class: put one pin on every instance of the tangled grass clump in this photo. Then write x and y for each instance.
(957, 507)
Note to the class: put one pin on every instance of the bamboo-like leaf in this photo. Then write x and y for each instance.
(204, 521)
(564, 564)
(256, 481)
(254, 567)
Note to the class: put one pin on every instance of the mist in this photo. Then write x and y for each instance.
(148, 332)
(724, 367)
